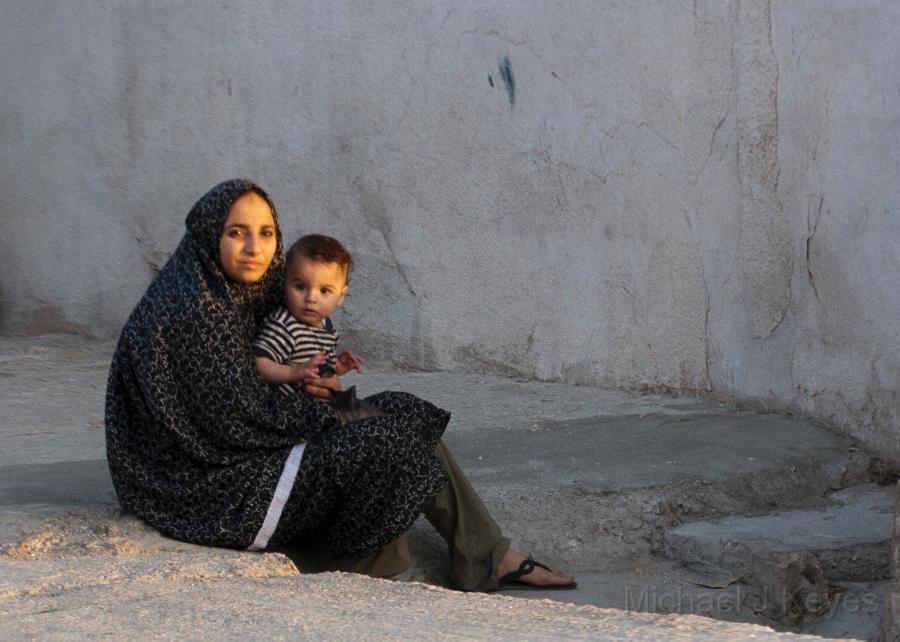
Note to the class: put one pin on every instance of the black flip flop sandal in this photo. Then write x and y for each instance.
(510, 581)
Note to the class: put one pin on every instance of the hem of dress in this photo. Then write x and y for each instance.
(279, 499)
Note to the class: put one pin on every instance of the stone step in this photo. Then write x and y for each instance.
(582, 475)
(792, 557)
(575, 475)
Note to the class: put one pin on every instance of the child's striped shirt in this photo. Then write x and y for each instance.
(285, 340)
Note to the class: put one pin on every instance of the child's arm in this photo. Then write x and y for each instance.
(347, 361)
(276, 373)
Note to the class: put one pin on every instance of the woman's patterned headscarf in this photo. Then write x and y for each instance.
(196, 440)
(205, 224)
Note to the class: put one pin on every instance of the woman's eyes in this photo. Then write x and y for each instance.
(239, 233)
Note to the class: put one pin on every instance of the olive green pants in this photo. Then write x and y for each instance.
(473, 538)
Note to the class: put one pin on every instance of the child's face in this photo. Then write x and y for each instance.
(313, 289)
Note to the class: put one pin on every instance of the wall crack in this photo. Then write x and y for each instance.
(812, 224)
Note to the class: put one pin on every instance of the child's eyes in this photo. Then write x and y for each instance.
(326, 291)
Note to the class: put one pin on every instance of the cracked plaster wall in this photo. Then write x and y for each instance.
(697, 195)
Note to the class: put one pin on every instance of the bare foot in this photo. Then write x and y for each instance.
(539, 576)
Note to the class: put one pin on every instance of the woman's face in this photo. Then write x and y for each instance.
(249, 239)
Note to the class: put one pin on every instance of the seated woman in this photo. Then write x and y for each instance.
(203, 450)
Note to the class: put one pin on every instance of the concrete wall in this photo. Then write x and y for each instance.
(699, 195)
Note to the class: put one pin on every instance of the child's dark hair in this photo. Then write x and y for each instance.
(319, 247)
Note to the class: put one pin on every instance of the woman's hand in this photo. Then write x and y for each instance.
(323, 388)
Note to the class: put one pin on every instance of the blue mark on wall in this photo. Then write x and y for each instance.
(507, 75)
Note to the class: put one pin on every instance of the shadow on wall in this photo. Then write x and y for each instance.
(43, 319)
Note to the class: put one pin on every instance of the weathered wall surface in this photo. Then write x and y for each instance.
(701, 195)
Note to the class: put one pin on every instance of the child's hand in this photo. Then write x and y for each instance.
(309, 369)
(347, 361)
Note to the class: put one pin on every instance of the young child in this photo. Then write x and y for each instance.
(297, 340)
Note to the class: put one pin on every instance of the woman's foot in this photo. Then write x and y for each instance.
(540, 576)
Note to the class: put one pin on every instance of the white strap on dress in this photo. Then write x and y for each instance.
(279, 499)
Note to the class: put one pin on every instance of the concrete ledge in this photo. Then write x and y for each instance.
(583, 478)
(890, 614)
(794, 555)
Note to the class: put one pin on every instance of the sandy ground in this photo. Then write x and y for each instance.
(583, 478)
